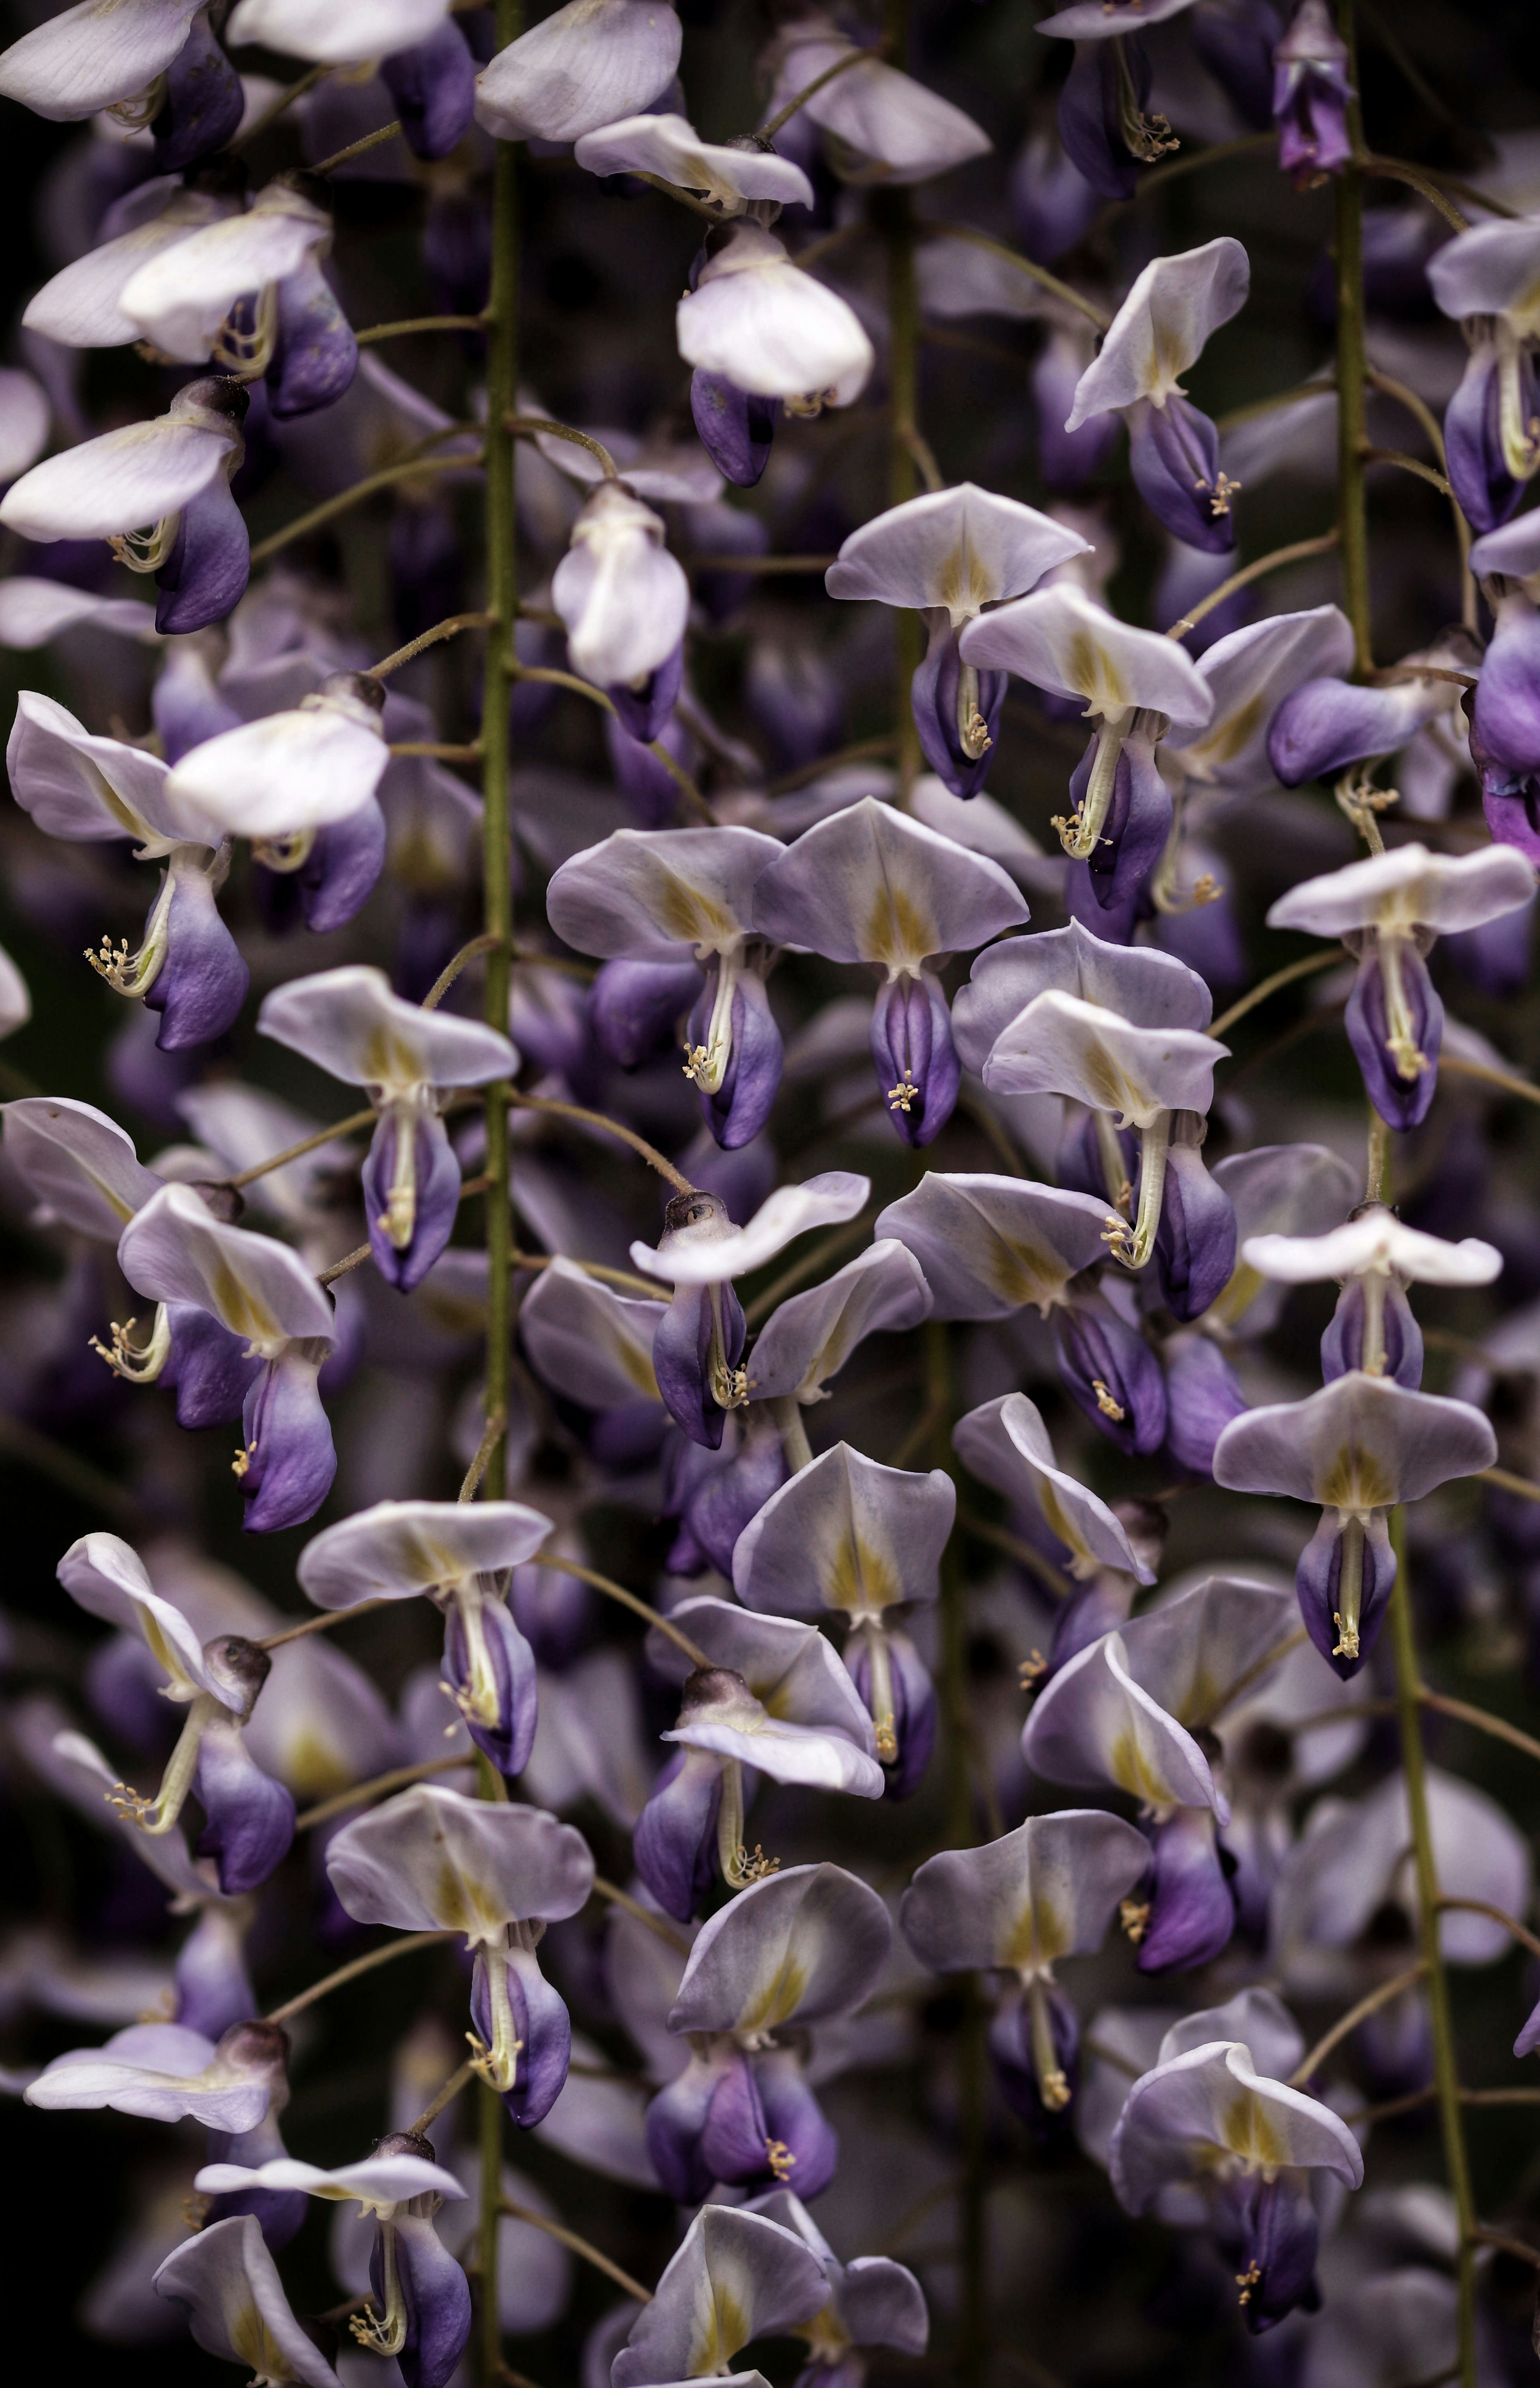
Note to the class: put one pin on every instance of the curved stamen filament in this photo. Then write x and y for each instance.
(398, 1220)
(973, 730)
(498, 2064)
(707, 1064)
(477, 1700)
(1520, 434)
(158, 1816)
(1052, 2085)
(1401, 1042)
(383, 2333)
(283, 854)
(1133, 1247)
(141, 1363)
(880, 1696)
(1080, 833)
(145, 549)
(739, 1869)
(729, 1385)
(1350, 1589)
(249, 352)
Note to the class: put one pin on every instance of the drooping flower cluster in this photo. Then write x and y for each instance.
(934, 1049)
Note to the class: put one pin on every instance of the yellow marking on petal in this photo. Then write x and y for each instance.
(861, 1578)
(1056, 1518)
(242, 1311)
(1251, 2133)
(896, 930)
(1019, 1272)
(1130, 1769)
(255, 2344)
(721, 2333)
(1039, 1936)
(1229, 737)
(1357, 1479)
(1091, 671)
(389, 1061)
(778, 1998)
(688, 913)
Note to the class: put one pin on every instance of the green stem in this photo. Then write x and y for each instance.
(1351, 516)
(501, 613)
(894, 212)
(1409, 1701)
(502, 604)
(490, 2122)
(973, 2341)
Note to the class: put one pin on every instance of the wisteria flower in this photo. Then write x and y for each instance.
(348, 1021)
(228, 2286)
(1485, 278)
(253, 1287)
(755, 327)
(1387, 909)
(1207, 2114)
(1373, 1257)
(847, 1535)
(879, 126)
(1047, 1891)
(459, 1556)
(948, 555)
(793, 1950)
(1359, 1447)
(430, 1859)
(698, 1349)
(1005, 1445)
(773, 1698)
(1136, 685)
(159, 493)
(655, 899)
(590, 63)
(1173, 308)
(249, 1817)
(871, 885)
(81, 787)
(734, 2278)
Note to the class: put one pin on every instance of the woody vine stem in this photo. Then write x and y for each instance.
(503, 614)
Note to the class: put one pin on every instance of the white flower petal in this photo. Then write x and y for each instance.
(591, 63)
(1062, 641)
(176, 1250)
(809, 1339)
(122, 481)
(81, 308)
(770, 328)
(1250, 672)
(670, 148)
(348, 1021)
(961, 548)
(25, 416)
(334, 33)
(988, 1245)
(33, 611)
(1161, 326)
(228, 2285)
(91, 56)
(1005, 1445)
(823, 1201)
(1408, 888)
(290, 772)
(1048, 1890)
(1378, 1241)
(179, 298)
(624, 598)
(870, 884)
(16, 1003)
(105, 1575)
(78, 1163)
(1493, 269)
(75, 785)
(653, 894)
(399, 1549)
(587, 1341)
(885, 127)
(375, 2182)
(1094, 1723)
(1062, 1045)
(430, 1858)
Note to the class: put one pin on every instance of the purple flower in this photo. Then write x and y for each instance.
(203, 104)
(433, 86)
(735, 425)
(1311, 94)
